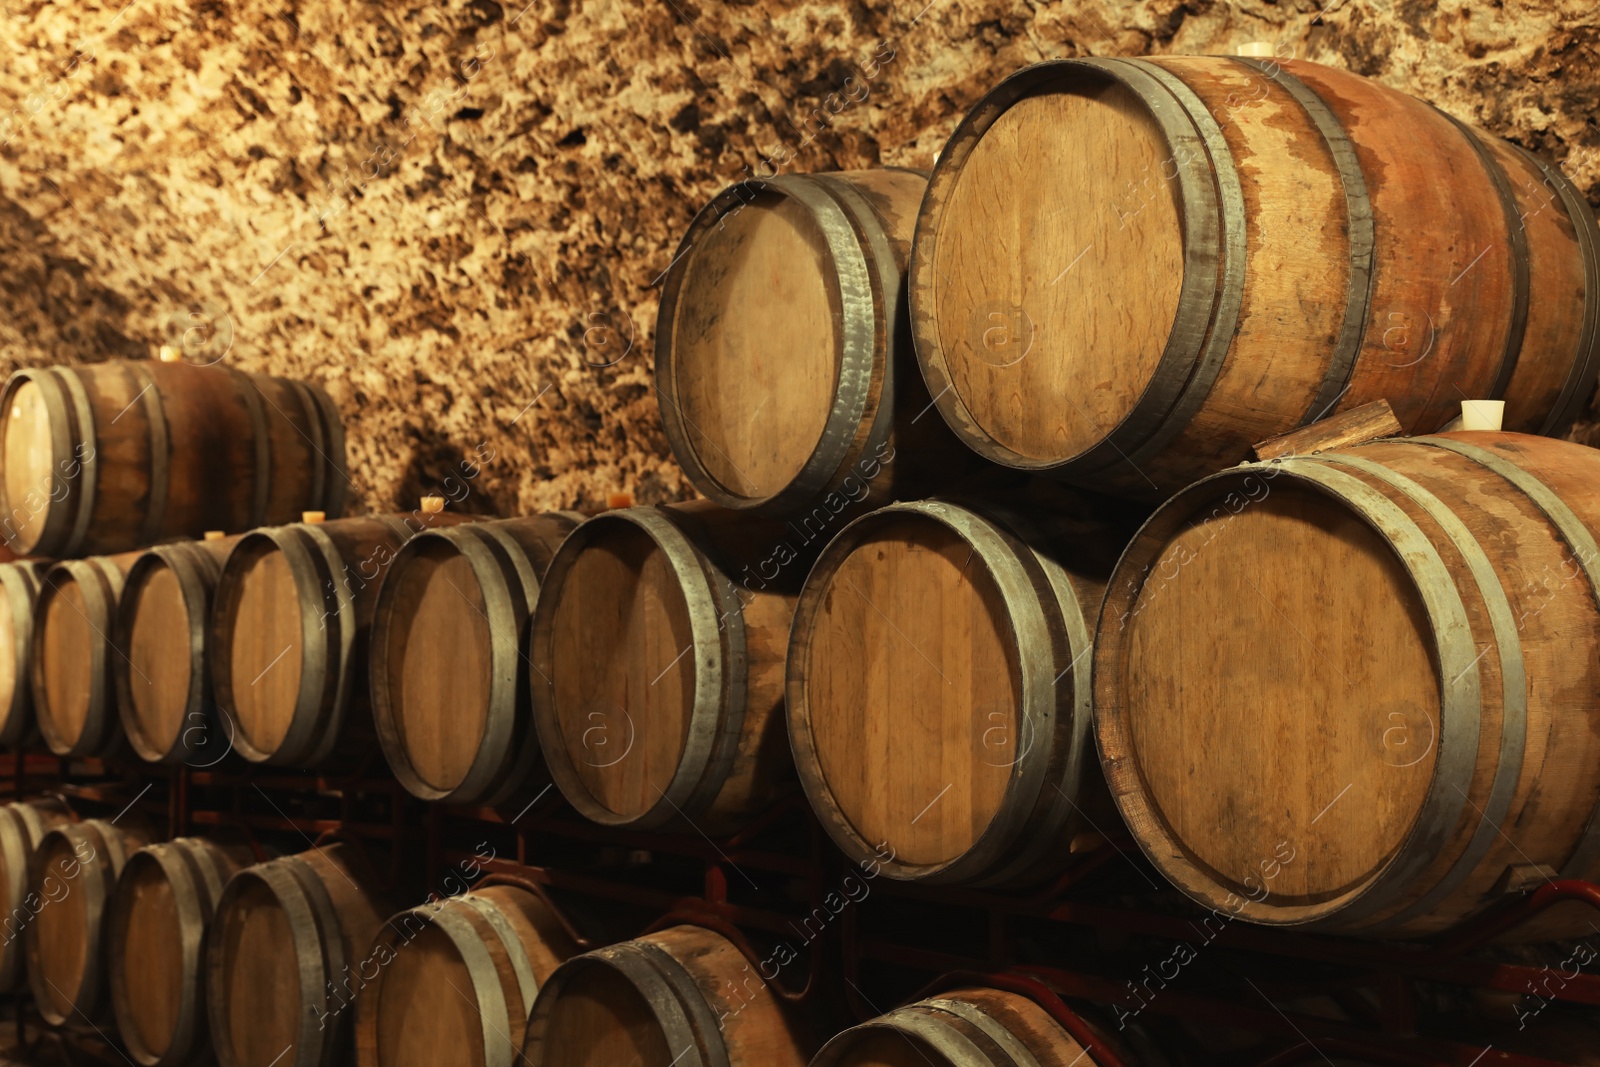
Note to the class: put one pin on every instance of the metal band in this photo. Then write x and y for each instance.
(1196, 387)
(172, 860)
(1018, 1053)
(1514, 699)
(494, 1014)
(858, 351)
(516, 952)
(16, 845)
(1521, 270)
(89, 473)
(1362, 236)
(1586, 553)
(692, 1003)
(325, 961)
(521, 762)
(1586, 359)
(638, 966)
(327, 703)
(20, 588)
(261, 438)
(160, 443)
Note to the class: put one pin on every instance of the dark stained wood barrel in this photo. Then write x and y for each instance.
(73, 875)
(656, 665)
(163, 686)
(784, 363)
(683, 995)
(113, 456)
(19, 588)
(457, 978)
(939, 691)
(962, 1028)
(1218, 250)
(449, 668)
(1355, 690)
(21, 827)
(288, 635)
(155, 943)
(74, 692)
(287, 954)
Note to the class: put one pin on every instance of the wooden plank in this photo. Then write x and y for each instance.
(1365, 423)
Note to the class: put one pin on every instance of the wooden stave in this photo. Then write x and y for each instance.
(20, 584)
(102, 731)
(75, 528)
(201, 869)
(1152, 425)
(1051, 621)
(862, 421)
(114, 845)
(957, 1027)
(1436, 859)
(719, 642)
(21, 826)
(506, 979)
(197, 568)
(509, 558)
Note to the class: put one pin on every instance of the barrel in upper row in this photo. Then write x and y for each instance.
(1125, 272)
(114, 456)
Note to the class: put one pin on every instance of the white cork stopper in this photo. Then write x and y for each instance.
(432, 505)
(313, 518)
(1255, 48)
(168, 354)
(215, 535)
(1482, 414)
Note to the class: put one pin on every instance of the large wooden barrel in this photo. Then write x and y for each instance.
(288, 633)
(1358, 690)
(19, 589)
(155, 943)
(1206, 252)
(73, 875)
(457, 979)
(962, 1028)
(163, 687)
(680, 996)
(939, 691)
(114, 456)
(21, 827)
(784, 363)
(449, 668)
(657, 670)
(74, 692)
(286, 956)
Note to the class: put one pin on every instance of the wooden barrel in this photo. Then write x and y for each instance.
(449, 670)
(684, 997)
(962, 1028)
(657, 671)
(74, 700)
(21, 827)
(156, 938)
(73, 875)
(939, 691)
(457, 980)
(1357, 690)
(288, 631)
(19, 585)
(113, 456)
(286, 956)
(1218, 250)
(163, 688)
(783, 356)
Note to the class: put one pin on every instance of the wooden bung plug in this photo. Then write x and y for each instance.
(167, 354)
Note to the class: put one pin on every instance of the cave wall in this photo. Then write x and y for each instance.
(453, 215)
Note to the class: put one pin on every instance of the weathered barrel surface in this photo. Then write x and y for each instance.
(156, 936)
(449, 668)
(163, 687)
(21, 827)
(113, 456)
(73, 685)
(684, 995)
(19, 589)
(784, 363)
(457, 980)
(287, 954)
(962, 1028)
(1358, 689)
(288, 632)
(1211, 251)
(939, 692)
(657, 680)
(73, 876)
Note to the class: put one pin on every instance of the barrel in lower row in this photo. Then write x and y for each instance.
(969, 1027)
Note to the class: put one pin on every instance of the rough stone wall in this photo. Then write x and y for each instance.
(452, 215)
